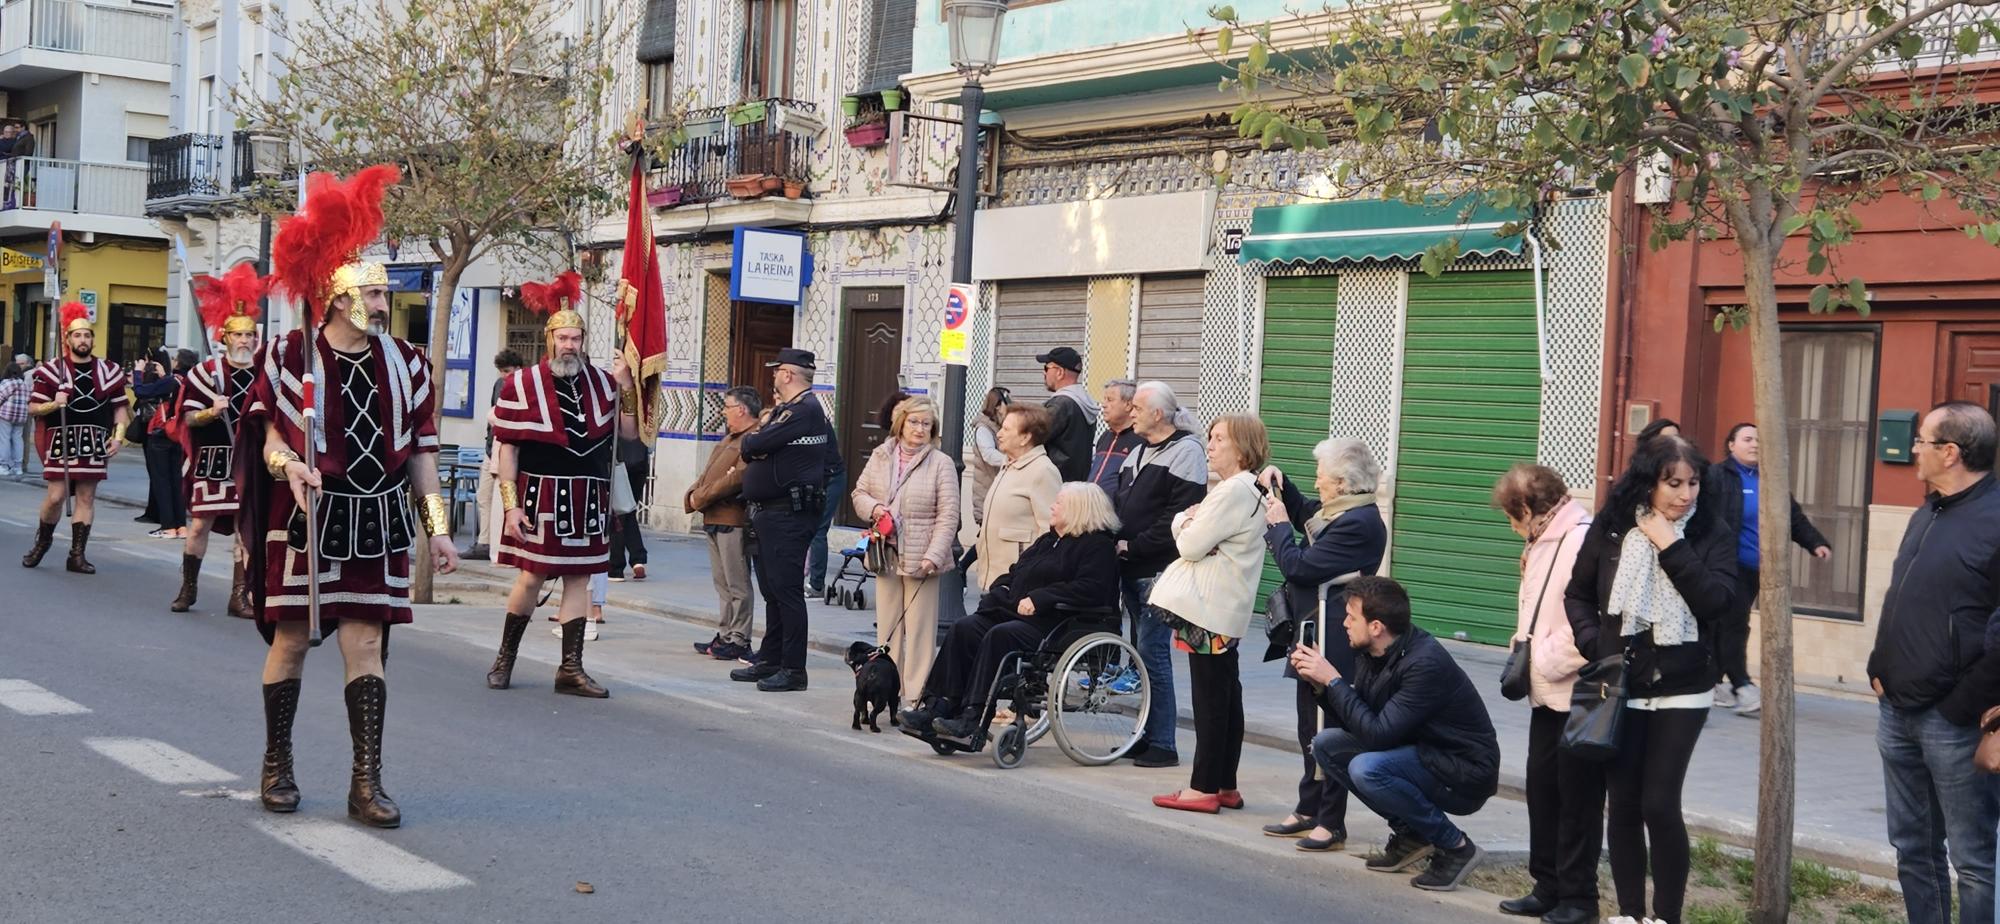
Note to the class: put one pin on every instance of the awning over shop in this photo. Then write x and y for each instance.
(410, 279)
(1373, 229)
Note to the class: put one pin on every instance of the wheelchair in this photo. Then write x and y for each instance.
(1065, 687)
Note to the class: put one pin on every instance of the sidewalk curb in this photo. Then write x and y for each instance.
(1835, 852)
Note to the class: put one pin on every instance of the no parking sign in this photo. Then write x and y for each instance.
(960, 300)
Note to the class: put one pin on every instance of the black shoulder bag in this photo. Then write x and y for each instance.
(1597, 709)
(1514, 682)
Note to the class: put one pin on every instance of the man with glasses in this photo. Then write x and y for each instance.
(718, 496)
(1936, 674)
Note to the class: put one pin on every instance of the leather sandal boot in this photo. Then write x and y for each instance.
(79, 538)
(45, 536)
(366, 802)
(570, 677)
(502, 674)
(276, 789)
(239, 595)
(190, 576)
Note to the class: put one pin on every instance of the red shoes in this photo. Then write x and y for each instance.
(1200, 803)
(1230, 799)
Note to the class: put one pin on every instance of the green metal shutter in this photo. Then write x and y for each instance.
(1471, 407)
(1296, 386)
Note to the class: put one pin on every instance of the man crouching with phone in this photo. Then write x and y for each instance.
(1413, 741)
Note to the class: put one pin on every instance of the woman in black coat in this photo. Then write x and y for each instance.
(1343, 538)
(1072, 566)
(159, 384)
(1653, 582)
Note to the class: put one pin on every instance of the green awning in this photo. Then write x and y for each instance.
(1374, 229)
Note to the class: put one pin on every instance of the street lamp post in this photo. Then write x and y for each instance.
(974, 28)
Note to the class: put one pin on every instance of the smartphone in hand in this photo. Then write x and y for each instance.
(1309, 633)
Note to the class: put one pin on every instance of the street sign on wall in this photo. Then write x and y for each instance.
(960, 300)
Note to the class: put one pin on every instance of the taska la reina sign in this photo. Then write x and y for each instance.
(769, 266)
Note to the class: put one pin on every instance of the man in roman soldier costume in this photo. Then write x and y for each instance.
(552, 425)
(213, 397)
(342, 416)
(81, 403)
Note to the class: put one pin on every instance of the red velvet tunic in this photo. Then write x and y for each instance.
(208, 471)
(561, 431)
(73, 442)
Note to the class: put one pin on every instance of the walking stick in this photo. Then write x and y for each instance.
(311, 413)
(69, 449)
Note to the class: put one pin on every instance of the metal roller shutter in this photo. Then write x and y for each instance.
(1032, 318)
(1471, 407)
(1169, 342)
(1296, 385)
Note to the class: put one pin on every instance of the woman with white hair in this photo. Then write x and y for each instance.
(1343, 538)
(1072, 566)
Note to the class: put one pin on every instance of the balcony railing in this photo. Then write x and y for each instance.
(53, 185)
(87, 28)
(777, 144)
(196, 168)
(1939, 34)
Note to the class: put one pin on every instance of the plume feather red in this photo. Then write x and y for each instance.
(219, 297)
(72, 311)
(339, 218)
(546, 298)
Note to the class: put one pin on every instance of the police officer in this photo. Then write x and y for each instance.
(785, 485)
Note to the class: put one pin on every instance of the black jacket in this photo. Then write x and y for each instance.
(1415, 694)
(1932, 644)
(1070, 431)
(1701, 567)
(1078, 572)
(1156, 482)
(1724, 488)
(788, 449)
(1354, 542)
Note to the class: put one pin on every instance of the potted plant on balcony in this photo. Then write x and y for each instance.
(869, 131)
(795, 187)
(850, 106)
(892, 99)
(667, 196)
(748, 185)
(749, 113)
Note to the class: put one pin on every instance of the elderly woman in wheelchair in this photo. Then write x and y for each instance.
(1072, 569)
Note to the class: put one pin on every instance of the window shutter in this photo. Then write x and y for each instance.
(656, 33)
(895, 22)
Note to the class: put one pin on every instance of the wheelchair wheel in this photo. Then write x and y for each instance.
(941, 747)
(1093, 723)
(859, 602)
(1009, 747)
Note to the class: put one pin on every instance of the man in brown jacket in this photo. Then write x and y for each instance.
(718, 496)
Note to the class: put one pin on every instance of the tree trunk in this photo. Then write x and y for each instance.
(422, 571)
(1771, 893)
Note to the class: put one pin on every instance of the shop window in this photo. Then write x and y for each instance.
(1830, 395)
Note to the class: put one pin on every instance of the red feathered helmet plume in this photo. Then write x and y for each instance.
(229, 303)
(339, 218)
(75, 316)
(555, 299)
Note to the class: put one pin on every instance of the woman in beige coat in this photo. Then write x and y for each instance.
(916, 487)
(1017, 505)
(1565, 793)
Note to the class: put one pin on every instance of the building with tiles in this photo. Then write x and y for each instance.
(1110, 232)
(90, 80)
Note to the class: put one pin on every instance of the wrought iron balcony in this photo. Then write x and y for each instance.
(194, 172)
(726, 142)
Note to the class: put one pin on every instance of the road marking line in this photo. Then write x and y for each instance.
(159, 761)
(28, 699)
(361, 855)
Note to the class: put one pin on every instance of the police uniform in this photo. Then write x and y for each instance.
(784, 483)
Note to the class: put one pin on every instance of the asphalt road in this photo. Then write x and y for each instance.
(130, 739)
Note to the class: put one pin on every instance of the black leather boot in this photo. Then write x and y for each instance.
(79, 537)
(502, 674)
(276, 788)
(366, 802)
(45, 536)
(190, 576)
(239, 595)
(570, 677)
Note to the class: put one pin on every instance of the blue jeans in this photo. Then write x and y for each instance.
(836, 494)
(1156, 651)
(1395, 785)
(1937, 797)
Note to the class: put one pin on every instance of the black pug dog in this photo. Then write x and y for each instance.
(877, 686)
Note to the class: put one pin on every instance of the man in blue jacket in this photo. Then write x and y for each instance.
(1414, 744)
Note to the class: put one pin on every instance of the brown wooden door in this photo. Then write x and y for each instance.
(757, 332)
(1972, 366)
(871, 360)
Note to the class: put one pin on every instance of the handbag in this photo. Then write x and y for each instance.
(622, 501)
(1987, 757)
(879, 554)
(1596, 710)
(1514, 682)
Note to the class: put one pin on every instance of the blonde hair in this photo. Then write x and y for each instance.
(1086, 508)
(905, 408)
(1253, 441)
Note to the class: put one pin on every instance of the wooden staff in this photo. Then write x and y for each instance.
(311, 412)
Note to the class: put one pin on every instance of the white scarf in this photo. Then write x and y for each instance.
(1642, 593)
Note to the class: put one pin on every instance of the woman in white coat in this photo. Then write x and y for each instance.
(1206, 595)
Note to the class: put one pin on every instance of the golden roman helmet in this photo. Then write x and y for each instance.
(349, 280)
(557, 299)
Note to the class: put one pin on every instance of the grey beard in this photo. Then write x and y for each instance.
(376, 328)
(565, 366)
(240, 358)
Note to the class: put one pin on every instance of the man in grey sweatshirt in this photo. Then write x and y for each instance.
(1074, 410)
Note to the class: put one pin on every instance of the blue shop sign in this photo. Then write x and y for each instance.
(769, 266)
